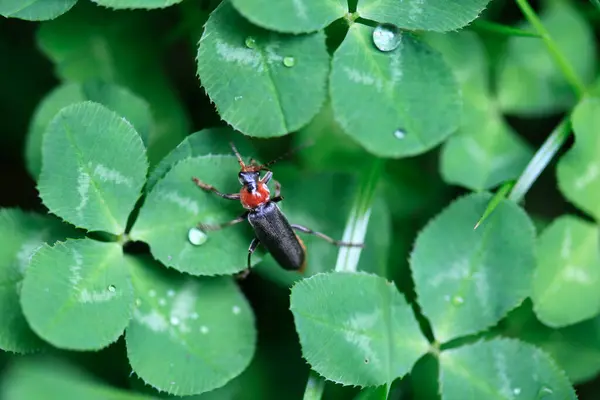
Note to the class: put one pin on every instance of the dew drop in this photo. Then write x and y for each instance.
(237, 98)
(174, 321)
(196, 236)
(169, 258)
(517, 391)
(458, 301)
(399, 133)
(236, 310)
(387, 37)
(366, 360)
(162, 302)
(170, 293)
(289, 61)
(250, 42)
(112, 288)
(204, 329)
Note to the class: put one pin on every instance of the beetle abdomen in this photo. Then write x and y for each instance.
(277, 236)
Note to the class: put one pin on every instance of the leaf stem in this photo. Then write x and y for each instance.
(314, 387)
(492, 27)
(559, 58)
(358, 220)
(541, 159)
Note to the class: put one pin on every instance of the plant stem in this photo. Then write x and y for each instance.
(314, 387)
(356, 227)
(559, 58)
(492, 27)
(498, 197)
(541, 159)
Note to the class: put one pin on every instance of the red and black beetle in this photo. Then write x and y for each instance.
(271, 227)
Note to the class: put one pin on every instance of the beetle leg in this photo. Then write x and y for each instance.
(209, 188)
(276, 199)
(216, 227)
(253, 245)
(267, 177)
(327, 238)
(277, 188)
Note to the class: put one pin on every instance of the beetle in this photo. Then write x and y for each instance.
(271, 227)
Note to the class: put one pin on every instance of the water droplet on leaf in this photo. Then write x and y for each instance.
(399, 133)
(458, 301)
(250, 42)
(517, 391)
(174, 321)
(289, 61)
(387, 37)
(204, 329)
(162, 302)
(112, 288)
(196, 236)
(236, 310)
(170, 293)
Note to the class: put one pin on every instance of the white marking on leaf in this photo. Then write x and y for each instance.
(75, 269)
(501, 371)
(416, 9)
(396, 65)
(238, 55)
(362, 78)
(482, 289)
(183, 305)
(83, 186)
(106, 174)
(362, 322)
(590, 175)
(573, 273)
(458, 270)
(272, 56)
(565, 249)
(90, 296)
(155, 321)
(184, 202)
(300, 8)
(26, 251)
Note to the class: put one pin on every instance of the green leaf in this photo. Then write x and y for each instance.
(35, 10)
(54, 379)
(205, 142)
(430, 15)
(394, 104)
(565, 283)
(77, 295)
(467, 280)
(485, 151)
(292, 16)
(575, 348)
(529, 82)
(578, 171)
(188, 335)
(113, 97)
(176, 205)
(501, 369)
(328, 215)
(93, 167)
(258, 79)
(355, 328)
(128, 4)
(119, 48)
(22, 234)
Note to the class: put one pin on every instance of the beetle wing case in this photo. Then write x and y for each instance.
(277, 236)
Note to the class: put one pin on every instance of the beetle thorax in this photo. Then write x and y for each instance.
(254, 195)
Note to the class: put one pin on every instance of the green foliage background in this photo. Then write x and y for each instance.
(466, 157)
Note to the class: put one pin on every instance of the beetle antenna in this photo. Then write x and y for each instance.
(289, 153)
(237, 154)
